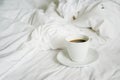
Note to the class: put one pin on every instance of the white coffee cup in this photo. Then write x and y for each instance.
(77, 46)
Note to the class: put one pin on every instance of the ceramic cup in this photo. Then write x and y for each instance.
(77, 46)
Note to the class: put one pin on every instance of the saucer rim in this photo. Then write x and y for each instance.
(78, 65)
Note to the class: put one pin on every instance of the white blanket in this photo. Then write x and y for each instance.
(32, 31)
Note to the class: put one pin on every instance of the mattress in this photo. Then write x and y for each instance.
(32, 33)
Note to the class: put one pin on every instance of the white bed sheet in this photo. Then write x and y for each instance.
(21, 58)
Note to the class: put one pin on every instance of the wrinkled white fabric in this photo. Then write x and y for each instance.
(31, 31)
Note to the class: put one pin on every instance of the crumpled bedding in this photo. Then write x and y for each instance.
(32, 32)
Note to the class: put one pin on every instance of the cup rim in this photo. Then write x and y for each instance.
(80, 35)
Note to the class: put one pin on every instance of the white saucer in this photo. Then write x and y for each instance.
(64, 59)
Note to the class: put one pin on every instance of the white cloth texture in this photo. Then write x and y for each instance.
(32, 32)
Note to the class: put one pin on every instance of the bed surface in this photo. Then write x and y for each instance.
(23, 55)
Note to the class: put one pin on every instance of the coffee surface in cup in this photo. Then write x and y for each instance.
(78, 40)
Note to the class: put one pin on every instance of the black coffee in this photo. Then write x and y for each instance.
(78, 40)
